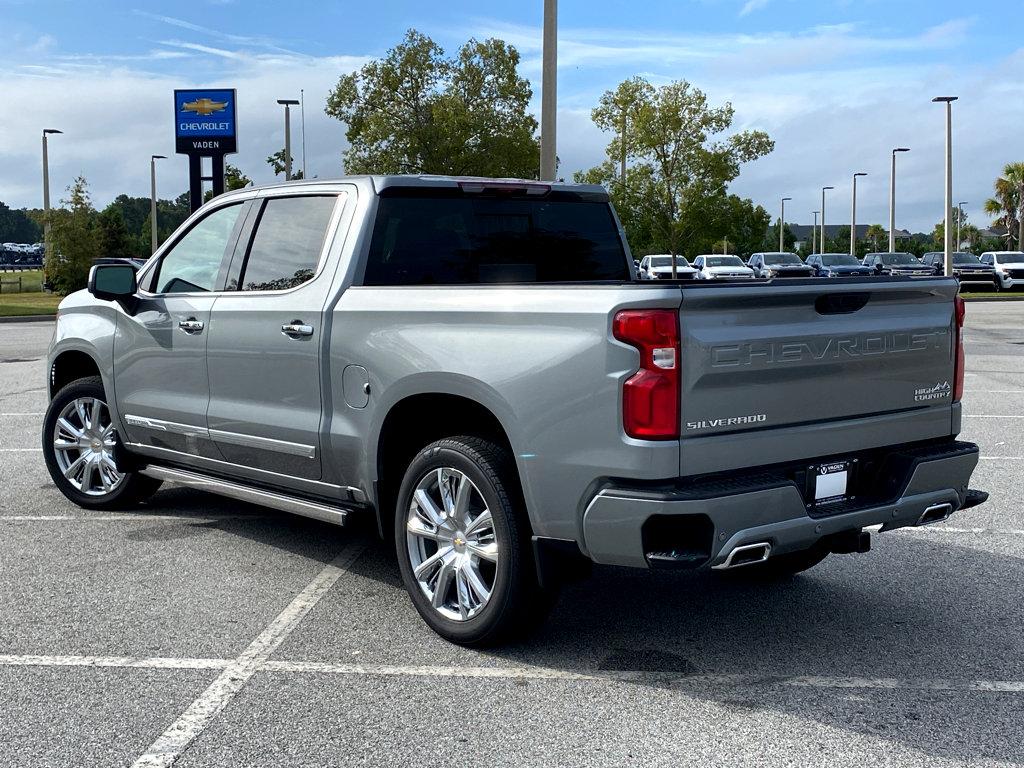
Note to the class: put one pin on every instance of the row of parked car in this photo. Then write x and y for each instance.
(21, 256)
(993, 269)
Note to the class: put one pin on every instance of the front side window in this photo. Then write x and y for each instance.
(194, 262)
(285, 249)
(439, 238)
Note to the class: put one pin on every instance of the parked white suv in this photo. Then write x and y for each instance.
(721, 267)
(1009, 266)
(659, 267)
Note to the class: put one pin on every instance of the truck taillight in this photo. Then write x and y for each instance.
(650, 398)
(958, 367)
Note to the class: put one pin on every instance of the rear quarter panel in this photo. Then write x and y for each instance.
(541, 358)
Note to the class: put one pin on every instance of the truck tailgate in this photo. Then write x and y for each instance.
(799, 359)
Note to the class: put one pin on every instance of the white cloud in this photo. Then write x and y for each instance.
(752, 5)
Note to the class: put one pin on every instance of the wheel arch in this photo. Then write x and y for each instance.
(419, 419)
(67, 366)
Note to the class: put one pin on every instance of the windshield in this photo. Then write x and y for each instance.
(1014, 257)
(723, 261)
(900, 258)
(836, 260)
(782, 259)
(666, 261)
(962, 258)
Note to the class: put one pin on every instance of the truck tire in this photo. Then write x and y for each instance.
(779, 566)
(80, 445)
(464, 545)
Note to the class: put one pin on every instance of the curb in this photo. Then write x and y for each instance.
(26, 318)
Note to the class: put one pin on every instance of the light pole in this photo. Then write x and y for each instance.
(948, 234)
(782, 225)
(892, 200)
(814, 233)
(152, 200)
(288, 103)
(853, 215)
(46, 195)
(823, 241)
(959, 221)
(549, 85)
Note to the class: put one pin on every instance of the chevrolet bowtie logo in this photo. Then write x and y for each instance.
(204, 106)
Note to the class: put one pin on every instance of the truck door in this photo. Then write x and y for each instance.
(160, 372)
(266, 338)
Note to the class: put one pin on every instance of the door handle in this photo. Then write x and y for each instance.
(191, 326)
(296, 328)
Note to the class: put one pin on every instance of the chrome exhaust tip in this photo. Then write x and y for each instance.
(935, 514)
(745, 555)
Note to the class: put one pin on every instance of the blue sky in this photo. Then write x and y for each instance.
(837, 83)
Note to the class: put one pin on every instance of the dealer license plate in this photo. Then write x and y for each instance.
(830, 482)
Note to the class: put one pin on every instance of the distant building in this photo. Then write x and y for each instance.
(802, 232)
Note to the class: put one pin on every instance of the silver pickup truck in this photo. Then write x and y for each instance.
(474, 364)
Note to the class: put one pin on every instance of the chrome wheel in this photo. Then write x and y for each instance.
(451, 543)
(83, 445)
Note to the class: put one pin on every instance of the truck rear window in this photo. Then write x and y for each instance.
(449, 240)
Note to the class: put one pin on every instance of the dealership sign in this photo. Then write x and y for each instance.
(204, 121)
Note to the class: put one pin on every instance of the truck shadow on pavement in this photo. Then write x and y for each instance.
(916, 609)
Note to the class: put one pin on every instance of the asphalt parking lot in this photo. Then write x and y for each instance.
(200, 631)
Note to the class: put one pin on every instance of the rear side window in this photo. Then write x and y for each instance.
(285, 249)
(450, 240)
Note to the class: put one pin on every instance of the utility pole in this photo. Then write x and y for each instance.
(853, 216)
(152, 201)
(823, 241)
(814, 233)
(288, 103)
(959, 221)
(948, 234)
(47, 246)
(622, 149)
(782, 225)
(892, 200)
(302, 121)
(549, 98)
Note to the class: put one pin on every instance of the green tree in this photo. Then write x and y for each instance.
(771, 241)
(1007, 205)
(75, 241)
(679, 141)
(234, 179)
(876, 233)
(276, 162)
(112, 237)
(417, 111)
(16, 226)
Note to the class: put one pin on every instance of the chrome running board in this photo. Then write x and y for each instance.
(276, 500)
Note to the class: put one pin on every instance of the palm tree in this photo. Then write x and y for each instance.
(1008, 204)
(873, 233)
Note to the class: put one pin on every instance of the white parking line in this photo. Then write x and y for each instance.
(21, 413)
(993, 416)
(21, 449)
(955, 530)
(190, 724)
(453, 672)
(120, 517)
(74, 660)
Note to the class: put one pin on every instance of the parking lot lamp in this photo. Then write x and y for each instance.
(782, 224)
(853, 216)
(46, 195)
(288, 104)
(814, 233)
(548, 91)
(152, 200)
(823, 216)
(948, 234)
(892, 200)
(959, 221)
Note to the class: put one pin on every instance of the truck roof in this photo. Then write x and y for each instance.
(469, 183)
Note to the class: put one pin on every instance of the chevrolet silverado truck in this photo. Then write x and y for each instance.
(474, 365)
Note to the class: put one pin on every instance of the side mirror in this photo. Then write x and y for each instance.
(878, 267)
(113, 283)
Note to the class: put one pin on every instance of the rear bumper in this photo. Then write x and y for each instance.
(702, 523)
